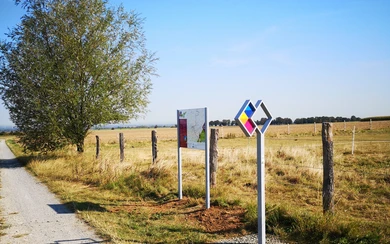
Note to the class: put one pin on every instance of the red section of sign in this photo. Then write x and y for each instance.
(183, 132)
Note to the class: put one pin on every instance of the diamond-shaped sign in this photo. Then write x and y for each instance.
(245, 115)
(244, 119)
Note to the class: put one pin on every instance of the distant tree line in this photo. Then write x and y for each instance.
(377, 118)
(312, 120)
(285, 121)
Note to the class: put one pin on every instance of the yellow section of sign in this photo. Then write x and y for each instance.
(243, 118)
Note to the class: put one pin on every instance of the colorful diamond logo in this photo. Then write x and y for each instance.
(245, 115)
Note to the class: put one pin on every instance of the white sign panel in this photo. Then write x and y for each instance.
(192, 128)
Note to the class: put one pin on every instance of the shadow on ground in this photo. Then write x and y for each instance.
(85, 206)
(10, 163)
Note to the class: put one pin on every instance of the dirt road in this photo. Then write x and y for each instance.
(32, 213)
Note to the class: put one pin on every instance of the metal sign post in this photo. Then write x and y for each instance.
(247, 124)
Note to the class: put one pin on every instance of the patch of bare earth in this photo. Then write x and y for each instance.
(219, 220)
(226, 221)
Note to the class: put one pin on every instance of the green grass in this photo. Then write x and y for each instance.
(135, 201)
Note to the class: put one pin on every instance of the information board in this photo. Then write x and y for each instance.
(192, 128)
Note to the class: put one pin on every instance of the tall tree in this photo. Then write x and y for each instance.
(72, 64)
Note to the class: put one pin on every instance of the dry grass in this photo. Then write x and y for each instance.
(103, 189)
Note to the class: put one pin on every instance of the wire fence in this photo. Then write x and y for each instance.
(361, 172)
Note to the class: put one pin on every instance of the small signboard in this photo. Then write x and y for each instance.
(244, 117)
(192, 128)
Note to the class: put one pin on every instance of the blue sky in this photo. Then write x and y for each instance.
(303, 58)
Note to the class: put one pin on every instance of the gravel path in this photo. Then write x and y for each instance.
(252, 239)
(32, 213)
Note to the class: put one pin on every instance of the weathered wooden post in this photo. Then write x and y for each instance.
(288, 129)
(315, 128)
(370, 124)
(97, 147)
(154, 146)
(213, 156)
(345, 126)
(328, 176)
(122, 146)
(353, 139)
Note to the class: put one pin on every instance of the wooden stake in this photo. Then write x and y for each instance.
(213, 156)
(328, 175)
(154, 146)
(345, 126)
(97, 147)
(353, 139)
(122, 146)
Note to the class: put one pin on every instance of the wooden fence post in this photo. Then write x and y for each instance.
(97, 147)
(370, 124)
(315, 128)
(328, 176)
(345, 126)
(353, 139)
(288, 129)
(154, 146)
(213, 156)
(122, 146)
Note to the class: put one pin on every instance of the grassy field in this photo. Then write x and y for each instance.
(135, 201)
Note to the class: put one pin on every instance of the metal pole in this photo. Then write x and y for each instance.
(260, 188)
(179, 178)
(179, 174)
(207, 149)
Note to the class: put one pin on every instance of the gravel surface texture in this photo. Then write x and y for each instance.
(253, 239)
(31, 212)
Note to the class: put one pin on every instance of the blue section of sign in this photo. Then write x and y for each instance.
(249, 111)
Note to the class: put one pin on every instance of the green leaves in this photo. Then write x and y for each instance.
(71, 65)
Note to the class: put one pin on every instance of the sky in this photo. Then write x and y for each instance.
(303, 58)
